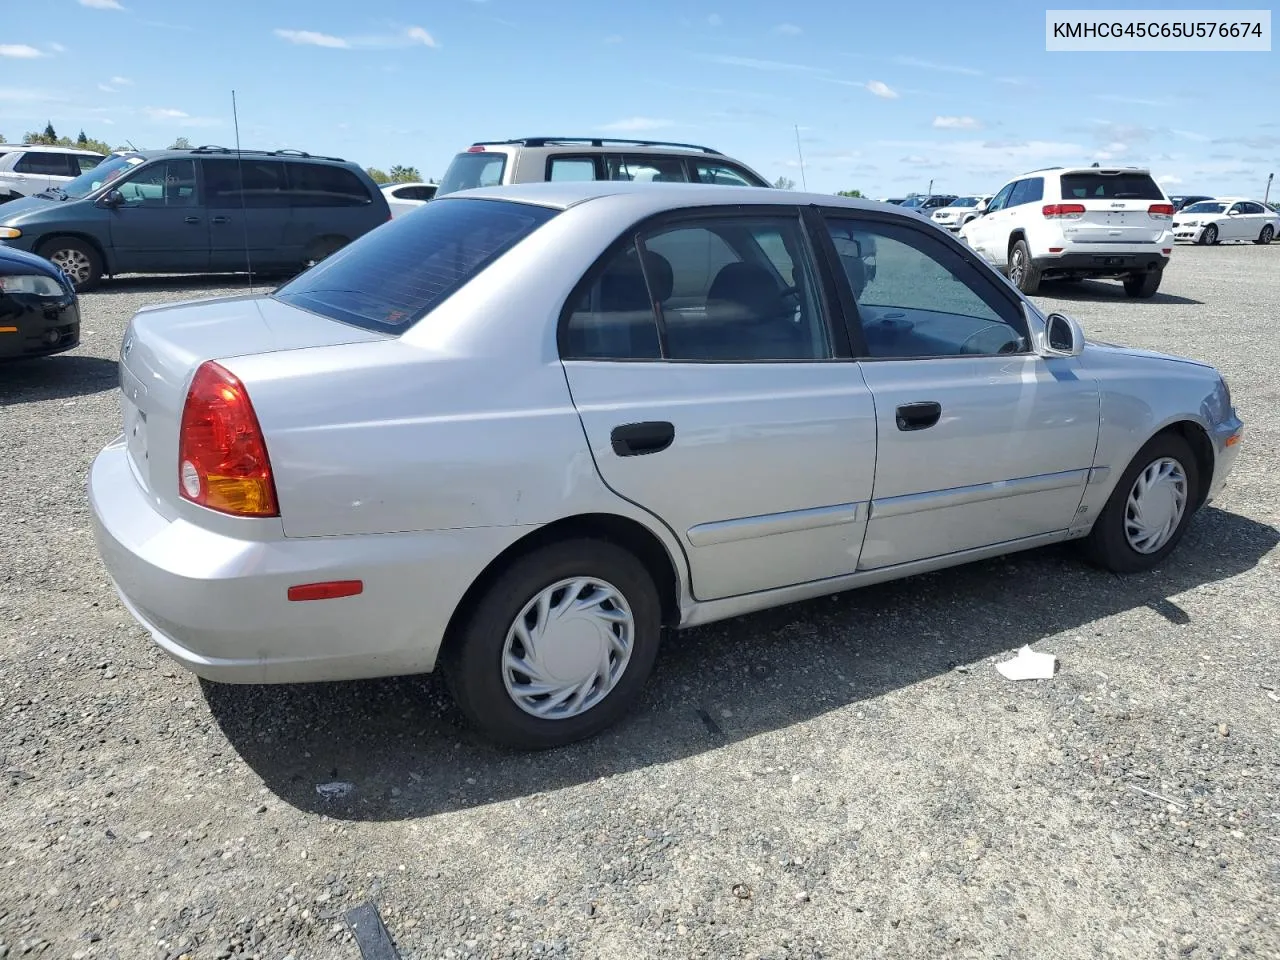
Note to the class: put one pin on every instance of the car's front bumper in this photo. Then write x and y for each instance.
(33, 326)
(1188, 234)
(1226, 437)
(219, 605)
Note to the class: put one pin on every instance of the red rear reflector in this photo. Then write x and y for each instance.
(327, 590)
(1167, 250)
(1055, 249)
(1062, 209)
(1160, 210)
(222, 457)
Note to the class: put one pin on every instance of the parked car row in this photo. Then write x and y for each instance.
(28, 169)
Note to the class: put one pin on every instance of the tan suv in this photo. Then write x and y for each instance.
(535, 159)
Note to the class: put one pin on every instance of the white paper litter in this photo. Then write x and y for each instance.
(335, 790)
(1028, 665)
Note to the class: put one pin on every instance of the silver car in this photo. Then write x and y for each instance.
(524, 430)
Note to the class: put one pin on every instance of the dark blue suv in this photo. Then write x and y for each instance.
(206, 210)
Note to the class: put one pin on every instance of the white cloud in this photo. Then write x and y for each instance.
(102, 4)
(754, 64)
(311, 38)
(1133, 101)
(20, 51)
(166, 113)
(57, 48)
(105, 88)
(939, 67)
(957, 123)
(636, 125)
(715, 20)
(122, 81)
(1168, 179)
(882, 90)
(788, 29)
(419, 35)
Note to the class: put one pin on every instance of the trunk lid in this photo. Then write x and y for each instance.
(162, 347)
(1116, 205)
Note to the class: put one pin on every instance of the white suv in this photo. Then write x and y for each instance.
(28, 169)
(1068, 223)
(535, 159)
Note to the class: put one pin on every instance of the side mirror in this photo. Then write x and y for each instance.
(1063, 336)
(111, 199)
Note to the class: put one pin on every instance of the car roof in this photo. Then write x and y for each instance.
(656, 197)
(47, 148)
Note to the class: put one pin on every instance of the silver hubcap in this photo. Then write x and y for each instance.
(1015, 266)
(568, 648)
(73, 263)
(1156, 505)
(1266, 234)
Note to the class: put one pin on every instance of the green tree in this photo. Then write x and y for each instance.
(848, 193)
(2, 139)
(182, 143)
(784, 183)
(51, 133)
(82, 139)
(402, 174)
(378, 176)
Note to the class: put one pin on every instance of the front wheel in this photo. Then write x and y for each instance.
(1209, 236)
(76, 258)
(1266, 236)
(1143, 285)
(559, 646)
(1149, 510)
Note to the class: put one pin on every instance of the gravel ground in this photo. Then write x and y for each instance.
(847, 777)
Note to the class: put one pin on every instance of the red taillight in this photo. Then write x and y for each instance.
(1056, 210)
(326, 590)
(475, 149)
(222, 457)
(1161, 211)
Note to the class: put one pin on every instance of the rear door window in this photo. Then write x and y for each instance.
(1109, 186)
(571, 168)
(722, 173)
(471, 170)
(392, 277)
(646, 169)
(324, 185)
(249, 183)
(1030, 190)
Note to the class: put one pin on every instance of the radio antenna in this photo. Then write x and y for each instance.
(244, 217)
(803, 183)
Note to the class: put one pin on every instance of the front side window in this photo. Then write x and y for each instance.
(645, 169)
(169, 183)
(393, 276)
(1205, 206)
(999, 201)
(711, 290)
(924, 299)
(102, 174)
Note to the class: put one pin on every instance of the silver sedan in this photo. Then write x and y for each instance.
(521, 433)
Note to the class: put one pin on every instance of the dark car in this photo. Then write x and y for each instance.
(1180, 202)
(207, 210)
(926, 205)
(39, 310)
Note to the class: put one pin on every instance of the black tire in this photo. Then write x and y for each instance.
(1209, 236)
(77, 258)
(1144, 285)
(1107, 545)
(1267, 235)
(473, 662)
(1022, 272)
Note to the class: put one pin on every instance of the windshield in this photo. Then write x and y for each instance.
(1205, 206)
(395, 275)
(104, 172)
(965, 202)
(470, 170)
(913, 201)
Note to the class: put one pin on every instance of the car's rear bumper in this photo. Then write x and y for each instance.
(38, 326)
(219, 606)
(1101, 262)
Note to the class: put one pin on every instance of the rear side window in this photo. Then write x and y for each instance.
(395, 275)
(322, 185)
(471, 170)
(1110, 186)
(1030, 190)
(644, 168)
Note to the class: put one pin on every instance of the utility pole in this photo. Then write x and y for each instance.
(1267, 195)
(804, 185)
(930, 193)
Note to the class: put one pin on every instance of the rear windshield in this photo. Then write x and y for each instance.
(395, 275)
(470, 170)
(1113, 186)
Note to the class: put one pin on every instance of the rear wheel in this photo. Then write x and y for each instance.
(559, 646)
(1267, 235)
(76, 258)
(1022, 272)
(1149, 510)
(1209, 236)
(322, 247)
(1143, 285)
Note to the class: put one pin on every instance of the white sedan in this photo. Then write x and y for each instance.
(1226, 218)
(528, 431)
(405, 198)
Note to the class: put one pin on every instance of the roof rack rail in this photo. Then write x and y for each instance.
(287, 152)
(597, 142)
(1043, 169)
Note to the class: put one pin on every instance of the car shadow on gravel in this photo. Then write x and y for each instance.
(1087, 291)
(59, 377)
(397, 749)
(196, 283)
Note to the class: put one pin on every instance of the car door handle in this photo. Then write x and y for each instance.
(191, 220)
(635, 439)
(918, 416)
(220, 220)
